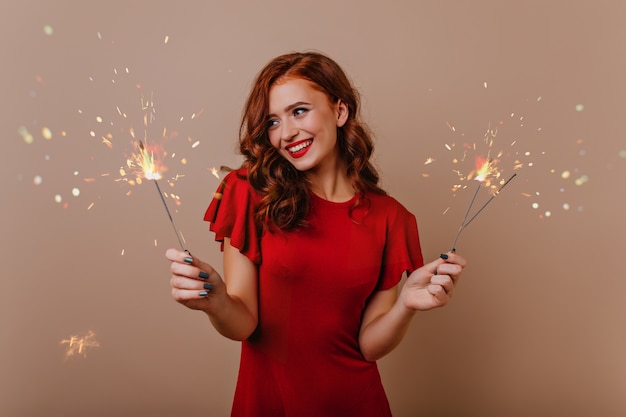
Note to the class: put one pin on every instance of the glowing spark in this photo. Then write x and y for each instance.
(429, 160)
(26, 135)
(77, 345)
(46, 133)
(107, 142)
(215, 173)
(581, 180)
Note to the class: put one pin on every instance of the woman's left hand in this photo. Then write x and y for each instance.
(433, 284)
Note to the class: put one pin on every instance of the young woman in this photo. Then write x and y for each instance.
(314, 251)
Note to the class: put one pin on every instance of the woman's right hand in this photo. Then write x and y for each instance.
(195, 283)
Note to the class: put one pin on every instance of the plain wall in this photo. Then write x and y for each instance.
(536, 327)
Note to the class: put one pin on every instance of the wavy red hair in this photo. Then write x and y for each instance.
(285, 190)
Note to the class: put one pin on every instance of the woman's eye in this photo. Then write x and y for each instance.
(299, 111)
(272, 123)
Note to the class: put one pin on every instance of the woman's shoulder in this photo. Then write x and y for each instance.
(386, 204)
(236, 178)
(235, 185)
(236, 175)
(384, 200)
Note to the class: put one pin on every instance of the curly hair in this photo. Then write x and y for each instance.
(284, 189)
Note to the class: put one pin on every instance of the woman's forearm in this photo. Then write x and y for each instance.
(384, 333)
(232, 318)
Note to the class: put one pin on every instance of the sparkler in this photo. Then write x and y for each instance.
(486, 169)
(151, 172)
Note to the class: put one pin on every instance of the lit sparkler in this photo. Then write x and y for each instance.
(152, 171)
(485, 173)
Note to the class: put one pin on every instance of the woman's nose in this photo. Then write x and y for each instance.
(289, 131)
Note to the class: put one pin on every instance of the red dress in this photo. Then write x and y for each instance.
(303, 360)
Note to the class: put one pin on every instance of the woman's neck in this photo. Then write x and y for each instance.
(331, 184)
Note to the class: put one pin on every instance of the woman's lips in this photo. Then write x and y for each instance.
(298, 149)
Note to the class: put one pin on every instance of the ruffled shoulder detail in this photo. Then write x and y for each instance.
(231, 214)
(403, 251)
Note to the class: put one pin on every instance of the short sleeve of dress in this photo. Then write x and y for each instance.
(231, 215)
(403, 252)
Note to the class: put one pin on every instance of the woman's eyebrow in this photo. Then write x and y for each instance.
(292, 106)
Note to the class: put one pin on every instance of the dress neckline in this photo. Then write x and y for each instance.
(328, 203)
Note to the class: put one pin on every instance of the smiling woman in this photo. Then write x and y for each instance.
(536, 327)
(314, 251)
(307, 125)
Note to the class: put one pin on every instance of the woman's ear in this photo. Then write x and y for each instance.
(342, 113)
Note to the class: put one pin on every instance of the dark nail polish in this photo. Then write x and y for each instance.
(188, 260)
(208, 287)
(203, 275)
(203, 293)
(444, 256)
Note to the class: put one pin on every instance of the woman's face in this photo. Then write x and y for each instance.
(302, 124)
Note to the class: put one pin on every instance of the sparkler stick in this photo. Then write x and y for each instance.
(488, 201)
(461, 226)
(465, 224)
(151, 174)
(167, 210)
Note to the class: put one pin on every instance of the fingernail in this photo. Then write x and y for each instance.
(444, 256)
(203, 275)
(208, 287)
(203, 293)
(188, 260)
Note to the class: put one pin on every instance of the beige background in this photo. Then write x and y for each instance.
(535, 329)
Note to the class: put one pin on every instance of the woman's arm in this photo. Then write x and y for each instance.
(387, 316)
(231, 303)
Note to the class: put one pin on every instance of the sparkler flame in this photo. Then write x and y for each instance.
(148, 164)
(486, 171)
(145, 161)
